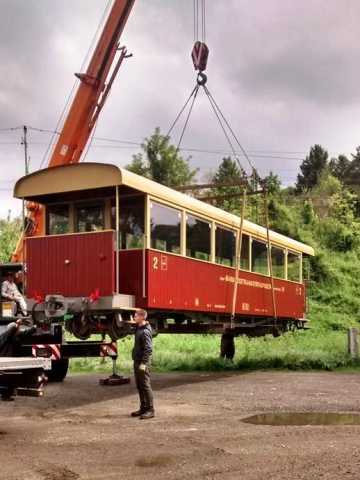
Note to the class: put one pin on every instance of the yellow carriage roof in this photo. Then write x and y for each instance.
(87, 176)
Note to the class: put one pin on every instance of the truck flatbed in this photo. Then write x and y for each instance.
(23, 363)
(22, 376)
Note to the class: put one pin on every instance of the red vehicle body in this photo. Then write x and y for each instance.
(168, 282)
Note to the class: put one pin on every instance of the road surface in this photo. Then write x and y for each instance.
(80, 430)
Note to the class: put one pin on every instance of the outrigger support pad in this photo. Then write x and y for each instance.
(227, 346)
(114, 379)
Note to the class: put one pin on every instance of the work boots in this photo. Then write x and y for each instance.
(139, 412)
(148, 414)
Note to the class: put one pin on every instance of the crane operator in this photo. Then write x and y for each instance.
(10, 291)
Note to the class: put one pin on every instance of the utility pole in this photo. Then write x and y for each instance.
(25, 143)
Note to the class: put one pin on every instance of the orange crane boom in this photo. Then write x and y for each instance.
(94, 87)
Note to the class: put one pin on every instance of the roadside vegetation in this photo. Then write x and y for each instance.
(322, 209)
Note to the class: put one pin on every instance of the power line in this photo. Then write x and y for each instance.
(116, 140)
(135, 145)
(288, 155)
(130, 142)
(44, 130)
(19, 143)
(11, 129)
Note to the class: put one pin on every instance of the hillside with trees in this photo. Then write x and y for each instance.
(322, 210)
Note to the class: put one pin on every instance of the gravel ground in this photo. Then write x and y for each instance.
(80, 430)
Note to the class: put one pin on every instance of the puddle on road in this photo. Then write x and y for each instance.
(299, 419)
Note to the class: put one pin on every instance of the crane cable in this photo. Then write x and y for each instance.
(245, 154)
(199, 11)
(181, 111)
(199, 55)
(218, 116)
(187, 117)
(223, 122)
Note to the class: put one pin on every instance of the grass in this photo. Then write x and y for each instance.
(302, 350)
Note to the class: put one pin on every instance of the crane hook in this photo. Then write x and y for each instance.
(201, 79)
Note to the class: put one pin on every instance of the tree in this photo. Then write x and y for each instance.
(161, 161)
(311, 168)
(9, 235)
(273, 183)
(353, 172)
(339, 167)
(228, 173)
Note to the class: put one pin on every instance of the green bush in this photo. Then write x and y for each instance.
(337, 236)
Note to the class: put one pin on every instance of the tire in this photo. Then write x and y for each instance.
(227, 346)
(59, 369)
(77, 327)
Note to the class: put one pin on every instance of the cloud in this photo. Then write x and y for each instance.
(284, 73)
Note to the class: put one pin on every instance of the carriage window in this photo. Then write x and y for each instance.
(293, 267)
(259, 257)
(131, 221)
(245, 252)
(278, 262)
(58, 219)
(90, 218)
(198, 238)
(225, 245)
(165, 228)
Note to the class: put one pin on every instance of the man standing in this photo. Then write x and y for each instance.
(10, 291)
(141, 355)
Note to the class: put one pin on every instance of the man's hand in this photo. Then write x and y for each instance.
(142, 367)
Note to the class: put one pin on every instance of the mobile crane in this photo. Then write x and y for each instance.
(93, 90)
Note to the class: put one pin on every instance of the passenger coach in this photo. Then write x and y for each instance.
(113, 241)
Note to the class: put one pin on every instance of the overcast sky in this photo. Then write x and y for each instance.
(285, 73)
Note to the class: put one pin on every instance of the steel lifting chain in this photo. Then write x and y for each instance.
(269, 256)
(238, 249)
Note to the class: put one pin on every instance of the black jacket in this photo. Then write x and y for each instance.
(142, 350)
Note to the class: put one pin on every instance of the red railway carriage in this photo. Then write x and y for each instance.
(115, 241)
